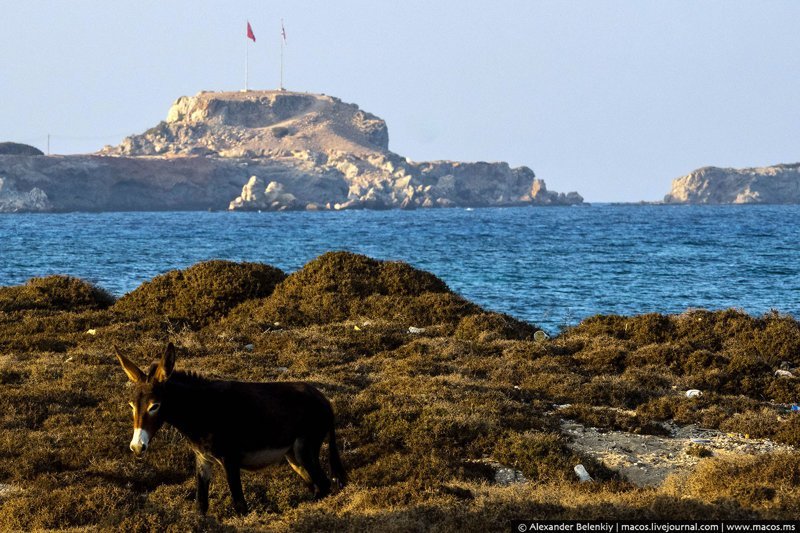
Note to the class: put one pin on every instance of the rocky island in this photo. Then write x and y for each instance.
(778, 184)
(260, 150)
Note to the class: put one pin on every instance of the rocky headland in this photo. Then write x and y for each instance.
(778, 184)
(260, 150)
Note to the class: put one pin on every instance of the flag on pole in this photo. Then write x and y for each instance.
(250, 34)
(283, 31)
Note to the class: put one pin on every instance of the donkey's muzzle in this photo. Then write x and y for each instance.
(139, 441)
(138, 448)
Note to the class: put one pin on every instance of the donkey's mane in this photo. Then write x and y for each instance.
(189, 378)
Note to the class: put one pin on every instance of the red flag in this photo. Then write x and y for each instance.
(250, 34)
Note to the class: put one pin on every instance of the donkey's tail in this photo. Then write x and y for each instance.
(337, 469)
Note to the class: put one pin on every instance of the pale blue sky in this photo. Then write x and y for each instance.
(610, 98)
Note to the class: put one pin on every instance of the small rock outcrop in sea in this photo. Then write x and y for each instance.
(268, 150)
(778, 184)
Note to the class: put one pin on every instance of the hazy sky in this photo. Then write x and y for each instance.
(609, 98)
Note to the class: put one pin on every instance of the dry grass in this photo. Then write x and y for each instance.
(419, 415)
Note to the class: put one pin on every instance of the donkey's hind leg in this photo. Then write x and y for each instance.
(297, 467)
(306, 450)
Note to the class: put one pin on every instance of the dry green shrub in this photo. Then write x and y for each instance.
(60, 507)
(783, 390)
(789, 431)
(603, 356)
(668, 355)
(550, 377)
(544, 456)
(485, 327)
(751, 482)
(708, 330)
(609, 418)
(696, 450)
(708, 411)
(640, 330)
(701, 362)
(762, 423)
(54, 293)
(201, 293)
(426, 309)
(45, 331)
(340, 286)
(616, 391)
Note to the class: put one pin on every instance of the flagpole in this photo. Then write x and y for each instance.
(283, 38)
(246, 61)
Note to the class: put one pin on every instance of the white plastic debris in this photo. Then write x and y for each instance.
(91, 332)
(540, 336)
(694, 393)
(415, 331)
(783, 374)
(282, 369)
(249, 347)
(583, 475)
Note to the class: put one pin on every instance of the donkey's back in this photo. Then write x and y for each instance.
(254, 416)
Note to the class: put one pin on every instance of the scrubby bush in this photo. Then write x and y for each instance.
(339, 286)
(610, 418)
(750, 482)
(754, 424)
(54, 293)
(485, 327)
(201, 293)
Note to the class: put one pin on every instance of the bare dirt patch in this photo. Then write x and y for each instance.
(647, 460)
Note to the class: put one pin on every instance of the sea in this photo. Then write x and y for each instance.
(551, 266)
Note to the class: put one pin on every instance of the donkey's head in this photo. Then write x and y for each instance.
(148, 392)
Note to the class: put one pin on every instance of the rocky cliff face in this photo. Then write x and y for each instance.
(258, 124)
(779, 184)
(14, 201)
(385, 181)
(265, 150)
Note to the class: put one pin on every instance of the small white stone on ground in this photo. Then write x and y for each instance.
(583, 475)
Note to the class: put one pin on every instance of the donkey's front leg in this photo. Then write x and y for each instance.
(235, 484)
(203, 475)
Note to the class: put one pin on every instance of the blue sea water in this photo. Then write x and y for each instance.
(550, 266)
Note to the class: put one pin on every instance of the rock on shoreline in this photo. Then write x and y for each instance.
(262, 150)
(778, 184)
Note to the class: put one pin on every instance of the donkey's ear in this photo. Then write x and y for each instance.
(167, 364)
(133, 372)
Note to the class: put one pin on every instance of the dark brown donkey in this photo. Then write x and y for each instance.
(238, 425)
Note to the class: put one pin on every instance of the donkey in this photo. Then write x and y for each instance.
(236, 424)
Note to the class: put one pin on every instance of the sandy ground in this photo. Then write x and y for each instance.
(647, 460)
